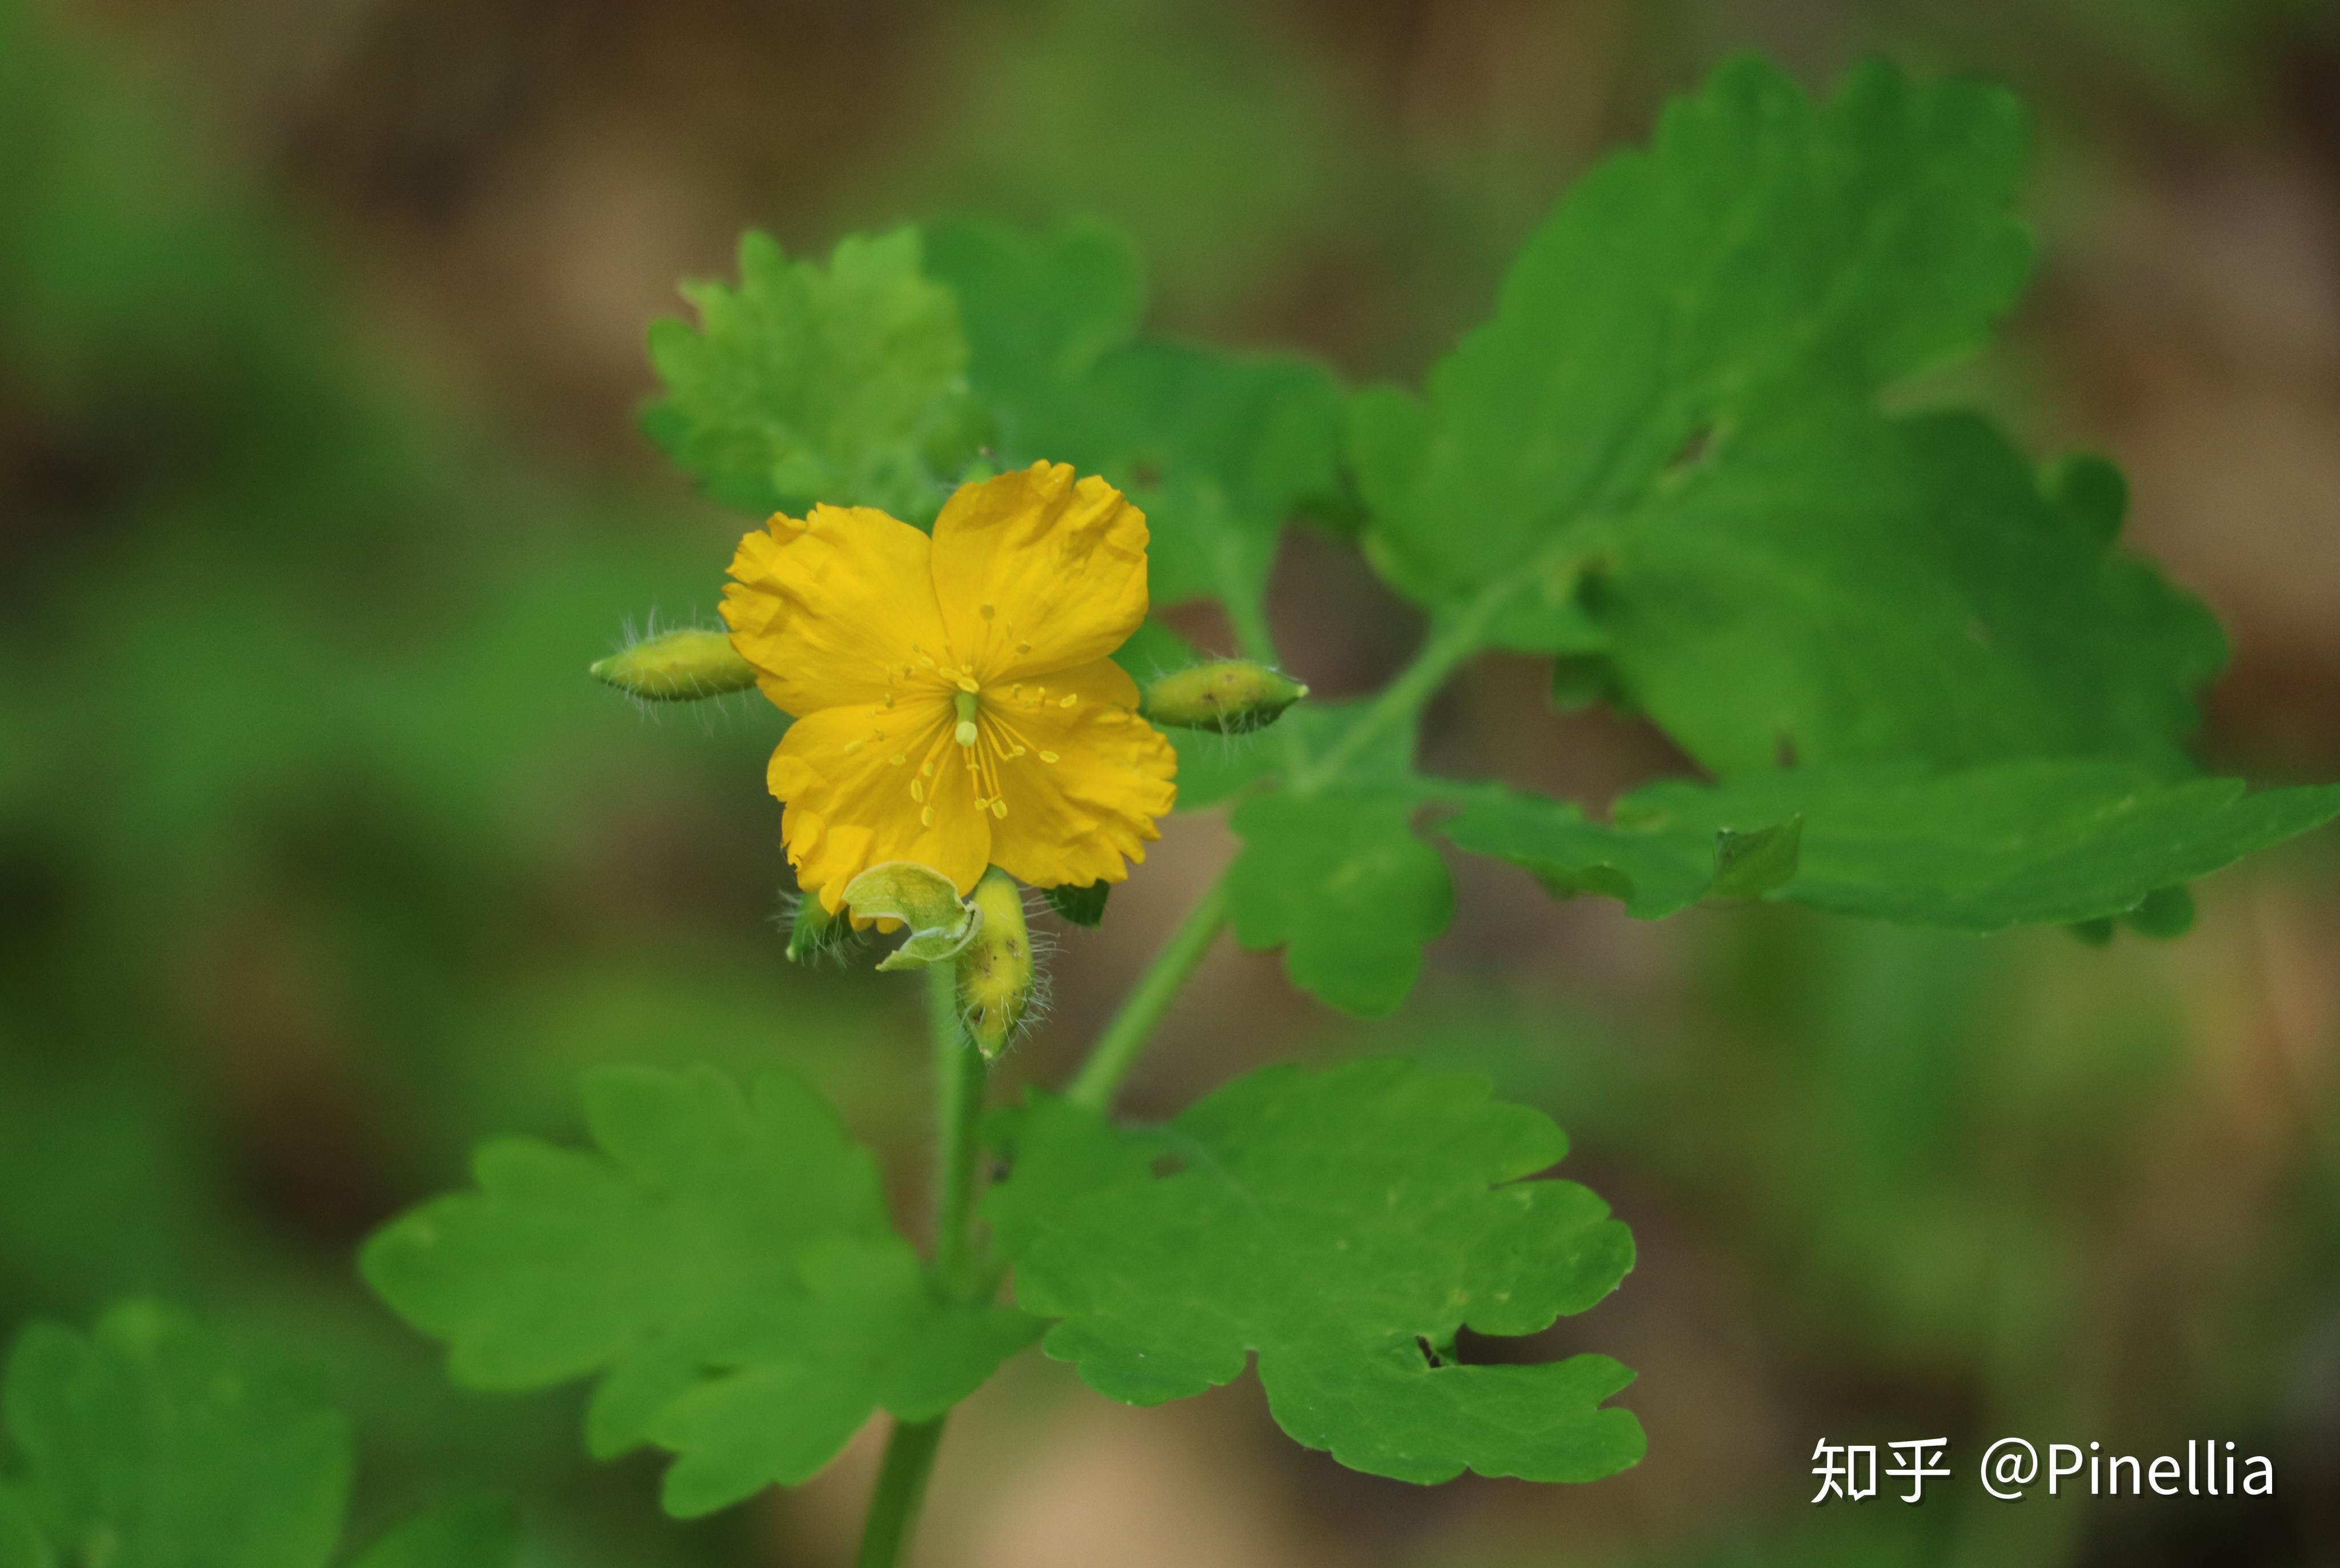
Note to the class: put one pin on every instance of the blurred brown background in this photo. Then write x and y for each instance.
(320, 347)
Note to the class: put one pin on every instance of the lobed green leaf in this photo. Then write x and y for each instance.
(844, 384)
(1664, 459)
(152, 1443)
(1983, 851)
(1342, 1226)
(1217, 449)
(148, 1443)
(723, 1264)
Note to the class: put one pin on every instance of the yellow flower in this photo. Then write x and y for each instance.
(954, 702)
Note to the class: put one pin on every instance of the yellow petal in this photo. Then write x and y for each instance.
(1089, 783)
(1035, 573)
(832, 610)
(850, 806)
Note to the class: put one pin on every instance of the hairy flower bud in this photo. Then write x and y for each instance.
(678, 667)
(1232, 695)
(996, 971)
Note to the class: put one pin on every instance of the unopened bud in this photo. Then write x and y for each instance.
(996, 971)
(1232, 695)
(678, 667)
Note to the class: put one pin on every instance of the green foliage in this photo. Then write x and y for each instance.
(1342, 1226)
(1218, 449)
(844, 385)
(1341, 884)
(1083, 906)
(724, 1263)
(1664, 457)
(149, 1443)
(1980, 851)
(475, 1533)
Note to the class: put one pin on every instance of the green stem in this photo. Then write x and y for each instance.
(1118, 1047)
(1451, 642)
(960, 1081)
(901, 1488)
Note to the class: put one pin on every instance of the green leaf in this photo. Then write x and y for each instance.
(2021, 843)
(1083, 906)
(1039, 312)
(1664, 459)
(148, 1444)
(845, 384)
(1341, 883)
(1341, 1225)
(21, 1545)
(1217, 449)
(474, 1533)
(1849, 588)
(724, 1263)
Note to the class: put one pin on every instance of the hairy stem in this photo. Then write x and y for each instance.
(1118, 1049)
(959, 1080)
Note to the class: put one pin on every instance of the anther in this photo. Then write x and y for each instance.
(999, 808)
(1048, 756)
(1070, 697)
(927, 818)
(851, 747)
(918, 790)
(898, 759)
(988, 612)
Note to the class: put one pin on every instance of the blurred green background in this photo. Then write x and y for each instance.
(319, 858)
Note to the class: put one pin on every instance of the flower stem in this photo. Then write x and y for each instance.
(1117, 1050)
(901, 1488)
(959, 1080)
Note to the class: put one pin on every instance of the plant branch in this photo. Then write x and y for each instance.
(1118, 1049)
(1451, 642)
(901, 1488)
(959, 1080)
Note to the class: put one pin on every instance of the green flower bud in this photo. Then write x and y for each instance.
(677, 667)
(1232, 695)
(996, 971)
(941, 924)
